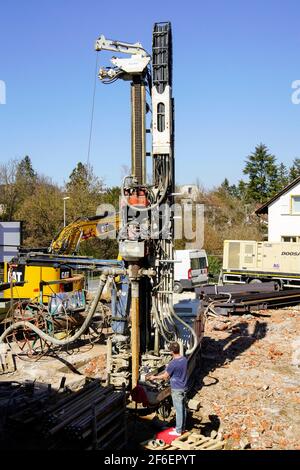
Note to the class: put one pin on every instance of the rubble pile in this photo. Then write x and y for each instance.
(250, 379)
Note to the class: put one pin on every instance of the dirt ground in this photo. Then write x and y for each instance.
(249, 382)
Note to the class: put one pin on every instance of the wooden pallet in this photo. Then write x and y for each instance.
(190, 441)
(194, 441)
(147, 445)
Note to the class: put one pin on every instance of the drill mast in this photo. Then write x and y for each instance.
(147, 233)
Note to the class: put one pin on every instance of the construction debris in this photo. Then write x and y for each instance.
(194, 405)
(249, 380)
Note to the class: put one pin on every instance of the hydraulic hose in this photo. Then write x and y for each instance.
(162, 320)
(160, 326)
(61, 342)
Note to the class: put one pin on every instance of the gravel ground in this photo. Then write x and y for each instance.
(249, 382)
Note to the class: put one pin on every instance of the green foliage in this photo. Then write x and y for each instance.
(17, 181)
(85, 191)
(112, 196)
(25, 170)
(262, 171)
(214, 265)
(266, 178)
(283, 176)
(229, 209)
(295, 169)
(232, 190)
(40, 213)
(228, 217)
(101, 249)
(79, 177)
(225, 185)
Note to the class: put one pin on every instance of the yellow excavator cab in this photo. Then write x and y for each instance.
(67, 243)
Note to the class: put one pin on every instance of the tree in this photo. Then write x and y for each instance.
(101, 249)
(230, 189)
(106, 248)
(9, 191)
(25, 169)
(294, 169)
(112, 196)
(41, 213)
(225, 185)
(79, 176)
(85, 191)
(17, 179)
(262, 171)
(26, 179)
(283, 177)
(242, 190)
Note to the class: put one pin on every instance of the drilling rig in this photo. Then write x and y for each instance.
(144, 320)
(146, 237)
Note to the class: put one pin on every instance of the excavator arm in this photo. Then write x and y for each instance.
(68, 239)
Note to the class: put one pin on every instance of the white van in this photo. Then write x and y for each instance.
(190, 269)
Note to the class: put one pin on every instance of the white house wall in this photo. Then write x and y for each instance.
(280, 220)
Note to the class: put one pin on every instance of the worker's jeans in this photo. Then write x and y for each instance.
(179, 403)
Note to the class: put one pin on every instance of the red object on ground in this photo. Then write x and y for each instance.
(139, 395)
(165, 436)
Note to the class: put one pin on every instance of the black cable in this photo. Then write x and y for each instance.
(92, 112)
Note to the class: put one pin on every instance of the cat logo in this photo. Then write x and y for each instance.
(65, 273)
(17, 274)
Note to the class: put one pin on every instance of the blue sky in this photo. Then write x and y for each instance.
(234, 63)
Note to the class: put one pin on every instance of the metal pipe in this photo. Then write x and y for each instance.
(156, 340)
(135, 332)
(108, 359)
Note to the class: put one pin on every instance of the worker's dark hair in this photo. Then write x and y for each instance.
(174, 347)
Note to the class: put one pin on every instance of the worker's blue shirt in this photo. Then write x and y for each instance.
(177, 370)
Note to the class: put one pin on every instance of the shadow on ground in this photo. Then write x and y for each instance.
(217, 352)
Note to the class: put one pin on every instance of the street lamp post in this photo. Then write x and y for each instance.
(64, 199)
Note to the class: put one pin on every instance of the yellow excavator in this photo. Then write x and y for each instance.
(25, 281)
(68, 240)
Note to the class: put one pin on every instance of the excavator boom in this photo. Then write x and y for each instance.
(68, 240)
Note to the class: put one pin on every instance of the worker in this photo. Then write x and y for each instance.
(176, 371)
